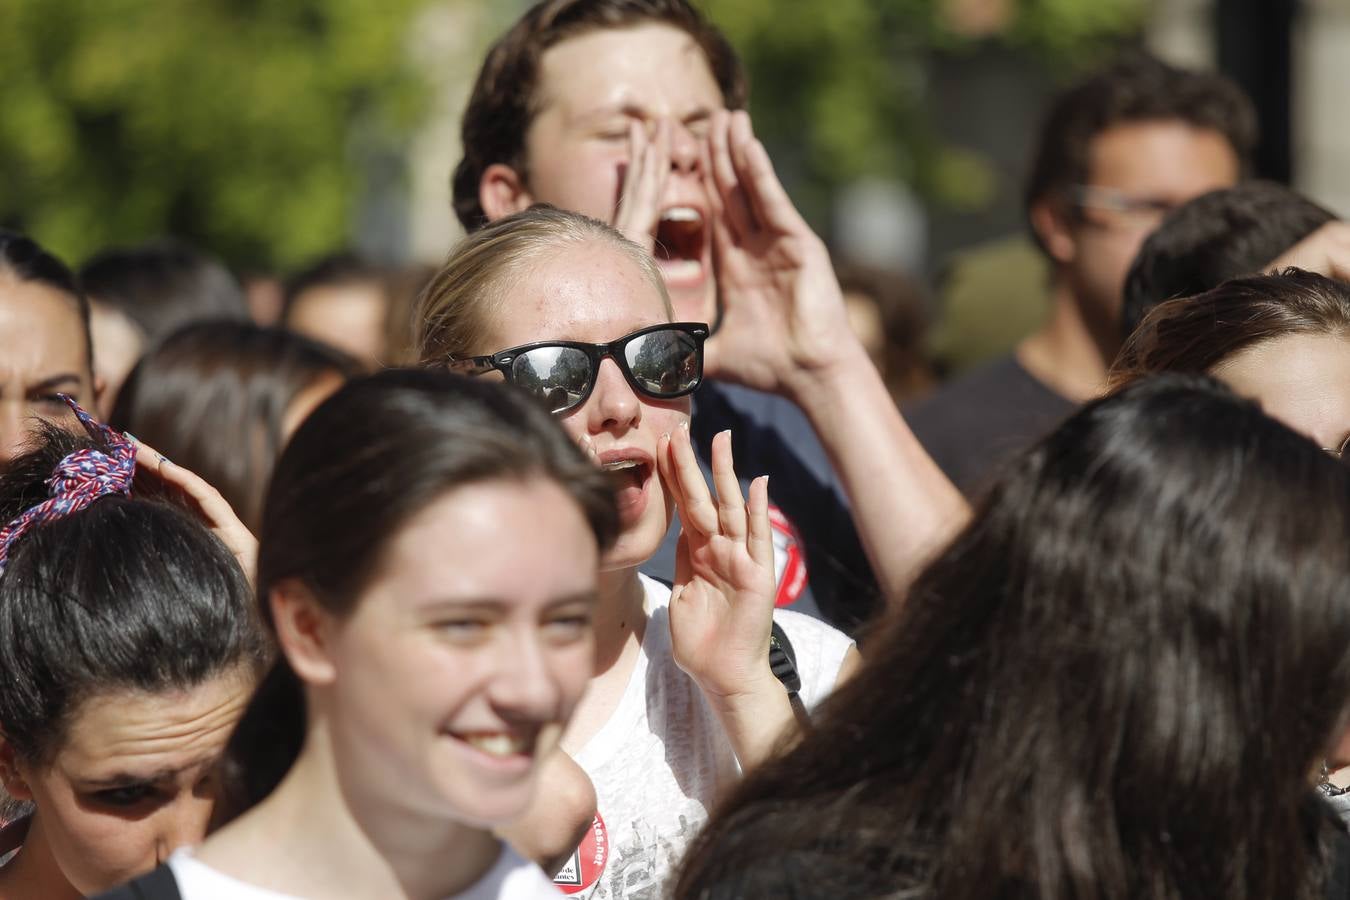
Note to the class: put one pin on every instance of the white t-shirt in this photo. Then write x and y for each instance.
(511, 878)
(662, 758)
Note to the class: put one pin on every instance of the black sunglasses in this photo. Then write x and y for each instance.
(663, 361)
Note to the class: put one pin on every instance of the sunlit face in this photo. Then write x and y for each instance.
(462, 661)
(596, 293)
(118, 343)
(1158, 165)
(590, 88)
(133, 780)
(1301, 379)
(350, 317)
(43, 351)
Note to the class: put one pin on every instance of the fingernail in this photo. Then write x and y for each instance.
(163, 459)
(131, 437)
(684, 426)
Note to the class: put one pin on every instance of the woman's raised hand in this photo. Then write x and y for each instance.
(721, 608)
(214, 509)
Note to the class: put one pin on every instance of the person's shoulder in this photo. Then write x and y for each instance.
(819, 650)
(759, 405)
(512, 877)
(655, 592)
(719, 406)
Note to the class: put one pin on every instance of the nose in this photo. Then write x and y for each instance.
(525, 685)
(182, 823)
(613, 404)
(684, 149)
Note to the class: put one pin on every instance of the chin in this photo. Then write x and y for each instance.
(694, 305)
(633, 548)
(638, 542)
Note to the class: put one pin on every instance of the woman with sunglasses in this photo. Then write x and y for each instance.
(683, 698)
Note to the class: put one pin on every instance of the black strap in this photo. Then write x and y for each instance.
(783, 664)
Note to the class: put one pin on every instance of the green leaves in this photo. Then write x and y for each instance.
(223, 121)
(839, 86)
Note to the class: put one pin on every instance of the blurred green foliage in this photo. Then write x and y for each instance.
(838, 86)
(245, 125)
(227, 122)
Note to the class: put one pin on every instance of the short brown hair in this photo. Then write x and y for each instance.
(1196, 334)
(503, 102)
(1135, 88)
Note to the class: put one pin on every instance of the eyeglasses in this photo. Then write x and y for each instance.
(663, 361)
(1140, 209)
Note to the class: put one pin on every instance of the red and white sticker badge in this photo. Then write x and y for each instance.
(582, 871)
(788, 558)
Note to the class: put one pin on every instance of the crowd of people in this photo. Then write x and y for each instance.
(601, 560)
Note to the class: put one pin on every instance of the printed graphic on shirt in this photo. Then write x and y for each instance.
(642, 859)
(579, 874)
(788, 558)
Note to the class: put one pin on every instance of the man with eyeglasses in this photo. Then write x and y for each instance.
(1116, 153)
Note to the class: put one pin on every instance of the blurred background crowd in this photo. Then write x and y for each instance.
(308, 143)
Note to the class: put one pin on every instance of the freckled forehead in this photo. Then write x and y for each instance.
(590, 292)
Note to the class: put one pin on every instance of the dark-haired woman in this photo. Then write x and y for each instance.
(221, 398)
(128, 649)
(45, 346)
(1281, 339)
(429, 566)
(1117, 682)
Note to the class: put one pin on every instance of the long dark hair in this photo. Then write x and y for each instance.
(213, 397)
(129, 593)
(366, 461)
(1195, 334)
(1115, 683)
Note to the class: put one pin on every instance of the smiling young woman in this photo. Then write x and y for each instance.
(429, 557)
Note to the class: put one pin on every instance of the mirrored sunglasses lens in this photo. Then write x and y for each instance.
(558, 375)
(664, 363)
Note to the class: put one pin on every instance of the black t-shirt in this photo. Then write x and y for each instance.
(974, 426)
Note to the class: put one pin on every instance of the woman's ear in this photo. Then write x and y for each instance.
(304, 631)
(501, 192)
(10, 777)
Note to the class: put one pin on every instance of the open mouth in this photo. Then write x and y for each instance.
(629, 477)
(680, 243)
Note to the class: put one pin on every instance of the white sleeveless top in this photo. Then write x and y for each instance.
(662, 758)
(511, 878)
